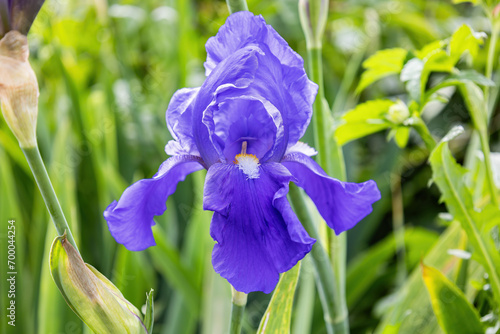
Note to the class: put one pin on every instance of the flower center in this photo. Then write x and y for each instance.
(248, 163)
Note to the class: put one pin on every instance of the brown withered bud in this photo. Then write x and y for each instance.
(18, 88)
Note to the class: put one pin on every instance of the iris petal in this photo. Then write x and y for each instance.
(342, 204)
(234, 73)
(131, 218)
(179, 121)
(231, 121)
(242, 29)
(258, 235)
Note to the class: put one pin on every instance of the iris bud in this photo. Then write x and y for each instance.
(313, 16)
(18, 88)
(90, 294)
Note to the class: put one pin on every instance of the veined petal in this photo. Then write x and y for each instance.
(179, 118)
(342, 204)
(242, 29)
(232, 120)
(258, 235)
(234, 73)
(131, 218)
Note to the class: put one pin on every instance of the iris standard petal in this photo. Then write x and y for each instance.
(131, 218)
(258, 235)
(233, 120)
(289, 90)
(242, 29)
(282, 79)
(235, 72)
(23, 13)
(342, 204)
(179, 122)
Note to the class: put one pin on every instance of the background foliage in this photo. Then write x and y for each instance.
(107, 70)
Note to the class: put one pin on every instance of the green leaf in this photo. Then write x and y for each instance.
(452, 309)
(364, 270)
(464, 39)
(438, 61)
(430, 48)
(413, 312)
(476, 104)
(365, 119)
(277, 318)
(149, 316)
(383, 63)
(450, 177)
(402, 135)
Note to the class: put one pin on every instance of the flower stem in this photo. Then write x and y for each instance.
(239, 303)
(330, 157)
(483, 136)
(422, 129)
(49, 196)
(325, 278)
(490, 62)
(236, 6)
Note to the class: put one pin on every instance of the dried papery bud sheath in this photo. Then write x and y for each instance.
(313, 16)
(18, 88)
(90, 294)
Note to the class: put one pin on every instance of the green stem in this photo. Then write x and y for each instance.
(398, 227)
(325, 278)
(422, 129)
(330, 157)
(237, 311)
(491, 58)
(477, 106)
(487, 164)
(321, 118)
(49, 196)
(236, 6)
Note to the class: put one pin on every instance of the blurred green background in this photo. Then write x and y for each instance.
(107, 70)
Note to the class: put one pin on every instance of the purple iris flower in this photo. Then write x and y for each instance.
(18, 15)
(243, 125)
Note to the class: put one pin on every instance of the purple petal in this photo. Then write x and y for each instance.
(248, 58)
(258, 235)
(231, 121)
(342, 204)
(23, 13)
(131, 218)
(242, 29)
(180, 123)
(234, 73)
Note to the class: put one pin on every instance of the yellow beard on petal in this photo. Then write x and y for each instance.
(249, 164)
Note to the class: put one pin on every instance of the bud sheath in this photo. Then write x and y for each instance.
(18, 88)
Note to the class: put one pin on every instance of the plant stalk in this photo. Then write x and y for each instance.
(42, 179)
(490, 62)
(483, 136)
(419, 125)
(237, 6)
(325, 278)
(237, 311)
(330, 157)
